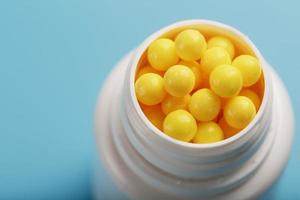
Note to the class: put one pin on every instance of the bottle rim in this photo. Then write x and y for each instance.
(190, 23)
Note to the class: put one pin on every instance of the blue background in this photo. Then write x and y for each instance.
(54, 56)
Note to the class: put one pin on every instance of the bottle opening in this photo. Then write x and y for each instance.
(153, 115)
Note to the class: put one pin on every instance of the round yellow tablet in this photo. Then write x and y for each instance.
(171, 103)
(162, 54)
(239, 112)
(148, 69)
(213, 57)
(219, 41)
(179, 80)
(190, 44)
(149, 89)
(249, 67)
(252, 96)
(180, 125)
(196, 68)
(227, 130)
(155, 115)
(208, 132)
(204, 105)
(226, 81)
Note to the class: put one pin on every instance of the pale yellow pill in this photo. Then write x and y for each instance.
(180, 125)
(171, 103)
(148, 69)
(155, 115)
(208, 132)
(179, 80)
(219, 41)
(239, 112)
(204, 105)
(162, 54)
(196, 68)
(213, 57)
(227, 130)
(252, 96)
(190, 44)
(149, 89)
(226, 81)
(249, 67)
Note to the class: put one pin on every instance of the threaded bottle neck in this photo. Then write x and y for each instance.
(186, 160)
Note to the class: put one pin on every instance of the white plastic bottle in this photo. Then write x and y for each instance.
(144, 163)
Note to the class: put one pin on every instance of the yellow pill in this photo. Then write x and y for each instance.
(226, 81)
(208, 132)
(190, 44)
(252, 96)
(196, 68)
(259, 87)
(148, 69)
(180, 125)
(171, 103)
(213, 57)
(155, 115)
(219, 41)
(227, 130)
(162, 54)
(149, 89)
(204, 105)
(239, 112)
(249, 67)
(179, 80)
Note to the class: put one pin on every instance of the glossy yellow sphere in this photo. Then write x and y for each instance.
(171, 103)
(259, 87)
(249, 67)
(252, 96)
(204, 105)
(190, 44)
(162, 54)
(196, 68)
(180, 125)
(226, 81)
(179, 80)
(219, 41)
(155, 115)
(148, 69)
(149, 89)
(214, 57)
(208, 132)
(239, 112)
(227, 130)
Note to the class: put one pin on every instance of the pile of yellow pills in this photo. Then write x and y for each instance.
(199, 87)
